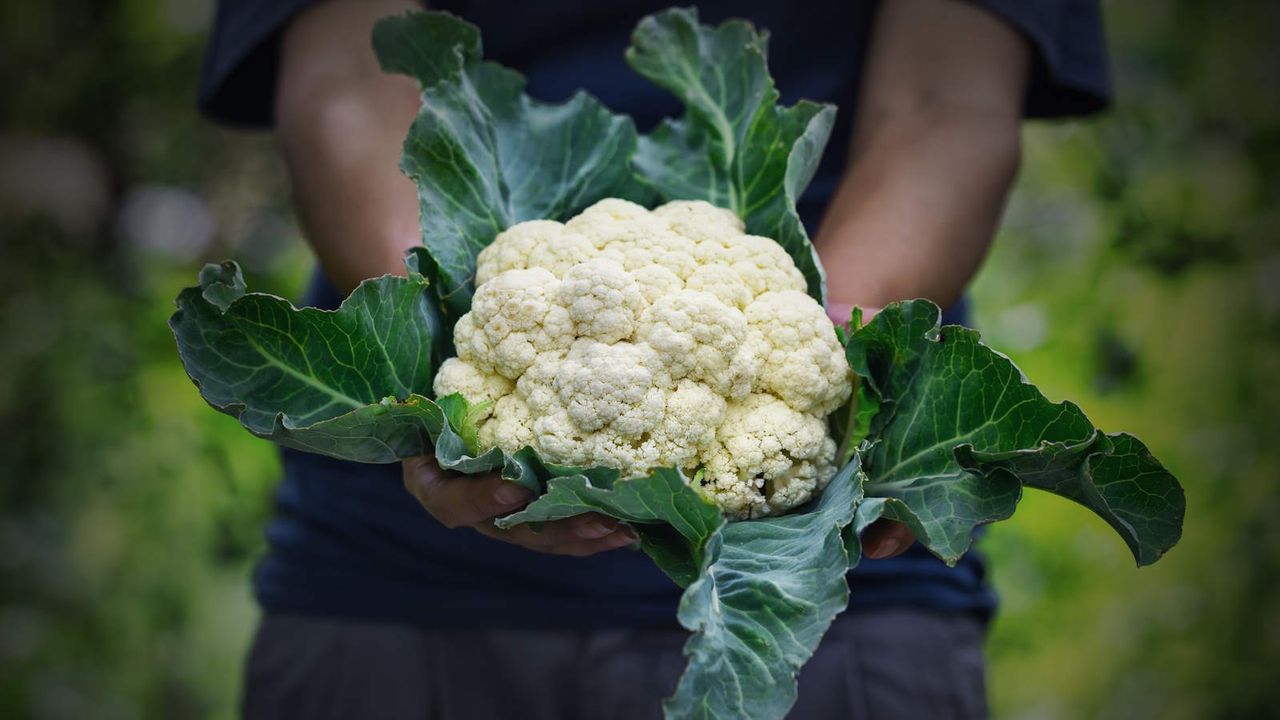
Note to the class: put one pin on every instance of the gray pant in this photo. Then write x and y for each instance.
(879, 666)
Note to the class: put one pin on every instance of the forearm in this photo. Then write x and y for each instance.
(934, 151)
(341, 122)
(916, 212)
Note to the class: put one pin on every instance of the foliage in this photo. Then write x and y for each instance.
(1143, 245)
(128, 518)
(735, 147)
(960, 431)
(488, 156)
(310, 379)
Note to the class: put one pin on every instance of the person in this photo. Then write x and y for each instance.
(373, 608)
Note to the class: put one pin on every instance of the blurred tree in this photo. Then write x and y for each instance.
(129, 514)
(1147, 240)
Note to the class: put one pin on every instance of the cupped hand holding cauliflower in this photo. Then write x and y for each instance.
(639, 339)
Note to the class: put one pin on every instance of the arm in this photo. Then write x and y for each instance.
(341, 122)
(935, 149)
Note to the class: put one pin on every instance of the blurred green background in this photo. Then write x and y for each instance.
(1137, 273)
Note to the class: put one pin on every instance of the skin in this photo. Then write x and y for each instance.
(935, 149)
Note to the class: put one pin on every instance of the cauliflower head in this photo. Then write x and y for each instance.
(638, 339)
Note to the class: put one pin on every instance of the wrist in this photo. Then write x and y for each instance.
(841, 312)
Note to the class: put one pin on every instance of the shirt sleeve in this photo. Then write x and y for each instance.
(238, 80)
(1070, 71)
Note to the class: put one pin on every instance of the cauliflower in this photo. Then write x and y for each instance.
(767, 457)
(700, 337)
(514, 317)
(480, 388)
(637, 339)
(603, 300)
(801, 365)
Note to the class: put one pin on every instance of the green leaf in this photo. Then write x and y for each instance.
(767, 593)
(867, 512)
(485, 156)
(221, 284)
(851, 423)
(735, 147)
(1113, 475)
(347, 383)
(455, 452)
(672, 519)
(960, 431)
(462, 421)
(676, 555)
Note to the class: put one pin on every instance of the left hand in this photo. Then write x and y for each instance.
(474, 501)
(885, 539)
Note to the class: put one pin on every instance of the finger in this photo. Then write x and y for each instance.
(458, 500)
(576, 548)
(559, 532)
(885, 539)
(840, 313)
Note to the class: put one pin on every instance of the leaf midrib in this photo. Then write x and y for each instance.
(305, 378)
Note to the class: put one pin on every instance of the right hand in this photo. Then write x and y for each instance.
(458, 500)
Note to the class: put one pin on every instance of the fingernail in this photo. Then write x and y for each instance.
(619, 539)
(887, 547)
(509, 494)
(593, 529)
(629, 534)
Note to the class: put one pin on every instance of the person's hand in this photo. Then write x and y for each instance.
(885, 539)
(473, 501)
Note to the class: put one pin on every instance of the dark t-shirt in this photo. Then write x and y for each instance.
(347, 540)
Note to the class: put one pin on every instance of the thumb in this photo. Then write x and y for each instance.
(459, 500)
(841, 312)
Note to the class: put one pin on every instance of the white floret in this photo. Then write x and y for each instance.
(698, 336)
(656, 246)
(603, 300)
(767, 458)
(699, 220)
(511, 249)
(619, 386)
(803, 363)
(655, 282)
(562, 253)
(722, 281)
(510, 427)
(514, 317)
(693, 413)
(480, 388)
(467, 343)
(764, 266)
(537, 384)
(614, 209)
(616, 221)
(632, 456)
(559, 441)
